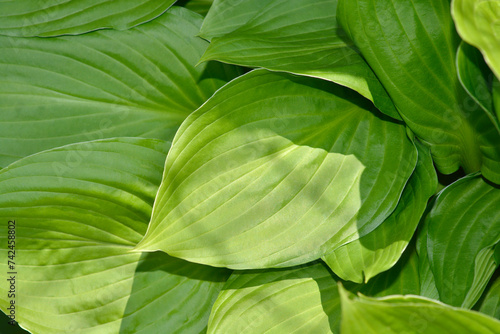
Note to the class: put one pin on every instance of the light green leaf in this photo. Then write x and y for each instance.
(226, 16)
(478, 24)
(296, 36)
(62, 17)
(490, 304)
(401, 279)
(298, 300)
(378, 251)
(199, 6)
(142, 82)
(276, 170)
(463, 263)
(74, 233)
(409, 315)
(476, 77)
(411, 47)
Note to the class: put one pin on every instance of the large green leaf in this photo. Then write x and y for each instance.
(142, 82)
(490, 304)
(298, 300)
(476, 78)
(277, 170)
(74, 233)
(296, 36)
(378, 251)
(463, 228)
(58, 17)
(478, 24)
(427, 281)
(411, 47)
(410, 314)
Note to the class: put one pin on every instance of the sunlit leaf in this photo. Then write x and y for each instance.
(409, 314)
(74, 233)
(378, 251)
(276, 170)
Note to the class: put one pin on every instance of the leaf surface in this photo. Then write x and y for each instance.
(296, 300)
(275, 170)
(409, 314)
(296, 36)
(74, 232)
(464, 226)
(61, 17)
(490, 304)
(378, 251)
(142, 82)
(412, 47)
(478, 23)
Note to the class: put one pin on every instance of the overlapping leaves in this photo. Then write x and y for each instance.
(325, 150)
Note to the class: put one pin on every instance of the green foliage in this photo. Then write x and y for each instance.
(250, 166)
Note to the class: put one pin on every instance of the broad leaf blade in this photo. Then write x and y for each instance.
(297, 300)
(74, 233)
(142, 83)
(199, 6)
(477, 23)
(463, 263)
(300, 37)
(60, 17)
(476, 78)
(411, 47)
(410, 314)
(378, 251)
(276, 170)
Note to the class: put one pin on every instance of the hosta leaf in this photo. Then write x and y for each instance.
(74, 233)
(464, 226)
(401, 279)
(142, 82)
(490, 305)
(427, 281)
(496, 97)
(275, 170)
(226, 16)
(362, 259)
(410, 314)
(297, 300)
(478, 24)
(296, 36)
(411, 48)
(476, 78)
(58, 17)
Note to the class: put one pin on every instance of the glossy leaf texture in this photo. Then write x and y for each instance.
(477, 22)
(477, 79)
(74, 233)
(61, 17)
(295, 36)
(463, 229)
(410, 314)
(142, 82)
(490, 303)
(276, 170)
(378, 251)
(296, 300)
(411, 47)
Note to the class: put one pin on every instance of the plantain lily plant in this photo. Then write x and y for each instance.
(250, 166)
